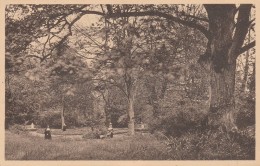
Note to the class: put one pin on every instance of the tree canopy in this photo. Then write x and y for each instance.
(129, 46)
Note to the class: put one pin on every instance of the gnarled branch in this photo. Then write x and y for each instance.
(163, 15)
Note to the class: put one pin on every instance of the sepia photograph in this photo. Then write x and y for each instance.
(145, 82)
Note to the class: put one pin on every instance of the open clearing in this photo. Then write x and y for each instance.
(139, 147)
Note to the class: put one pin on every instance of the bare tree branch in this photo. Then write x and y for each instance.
(242, 27)
(196, 18)
(246, 47)
(63, 39)
(113, 84)
(163, 15)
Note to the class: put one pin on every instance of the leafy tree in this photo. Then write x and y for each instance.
(225, 43)
(223, 26)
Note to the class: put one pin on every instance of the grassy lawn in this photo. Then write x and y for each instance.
(139, 147)
(66, 146)
(78, 131)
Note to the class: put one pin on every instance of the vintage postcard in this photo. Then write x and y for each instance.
(129, 82)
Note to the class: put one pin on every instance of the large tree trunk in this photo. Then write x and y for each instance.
(130, 89)
(222, 97)
(220, 57)
(99, 106)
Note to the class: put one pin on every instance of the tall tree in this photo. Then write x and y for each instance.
(225, 28)
(225, 42)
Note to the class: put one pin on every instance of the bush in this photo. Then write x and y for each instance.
(100, 130)
(177, 122)
(245, 117)
(17, 129)
(210, 145)
(95, 134)
(51, 119)
(122, 121)
(246, 114)
(71, 120)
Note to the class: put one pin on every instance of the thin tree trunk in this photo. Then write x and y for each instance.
(107, 107)
(244, 81)
(252, 81)
(153, 98)
(164, 88)
(62, 113)
(9, 87)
